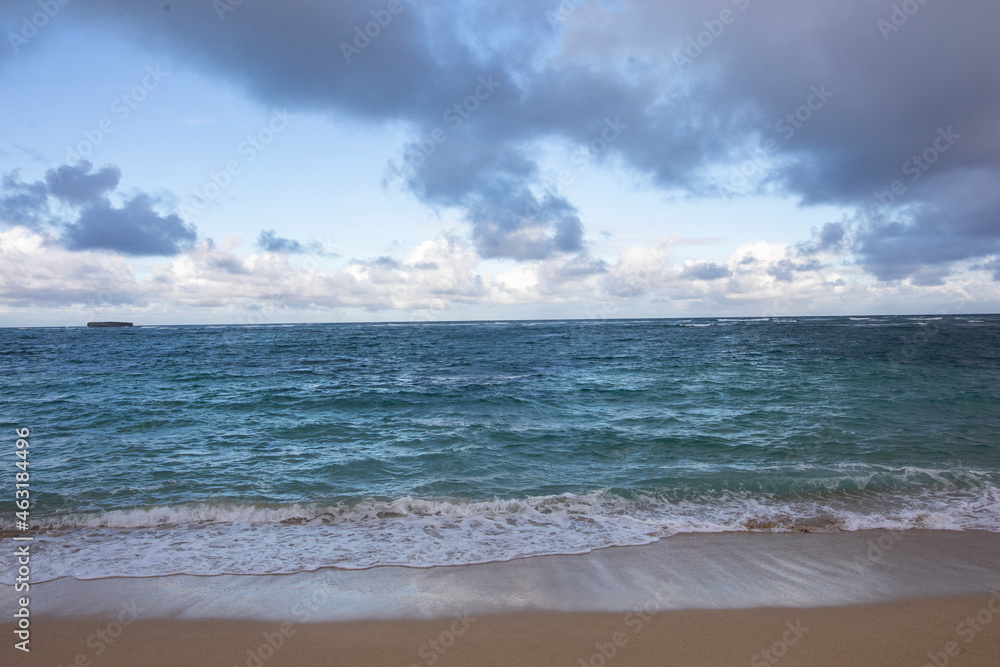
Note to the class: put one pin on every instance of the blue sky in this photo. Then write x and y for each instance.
(628, 159)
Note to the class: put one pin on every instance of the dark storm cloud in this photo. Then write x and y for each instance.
(956, 217)
(134, 229)
(838, 104)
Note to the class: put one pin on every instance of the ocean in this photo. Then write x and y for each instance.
(204, 450)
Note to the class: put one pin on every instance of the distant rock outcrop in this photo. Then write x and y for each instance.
(109, 324)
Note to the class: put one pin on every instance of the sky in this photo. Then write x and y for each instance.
(262, 162)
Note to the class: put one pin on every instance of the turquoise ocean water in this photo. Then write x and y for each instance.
(262, 449)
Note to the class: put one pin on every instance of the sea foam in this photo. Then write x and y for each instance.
(236, 538)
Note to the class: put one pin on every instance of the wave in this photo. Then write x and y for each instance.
(256, 538)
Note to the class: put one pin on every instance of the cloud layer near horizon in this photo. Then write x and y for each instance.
(269, 287)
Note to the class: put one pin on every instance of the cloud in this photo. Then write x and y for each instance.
(24, 204)
(832, 237)
(437, 272)
(213, 283)
(80, 184)
(645, 85)
(513, 222)
(427, 62)
(695, 114)
(135, 228)
(785, 269)
(45, 275)
(269, 241)
(638, 271)
(992, 266)
(957, 218)
(705, 271)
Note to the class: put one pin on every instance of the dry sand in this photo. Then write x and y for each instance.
(899, 633)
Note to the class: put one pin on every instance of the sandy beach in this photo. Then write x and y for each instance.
(456, 333)
(864, 598)
(915, 632)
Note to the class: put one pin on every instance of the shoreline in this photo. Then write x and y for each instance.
(877, 532)
(687, 571)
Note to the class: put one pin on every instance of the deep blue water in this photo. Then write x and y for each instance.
(210, 449)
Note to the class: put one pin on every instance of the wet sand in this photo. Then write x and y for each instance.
(873, 597)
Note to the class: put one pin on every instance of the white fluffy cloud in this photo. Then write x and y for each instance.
(37, 272)
(236, 283)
